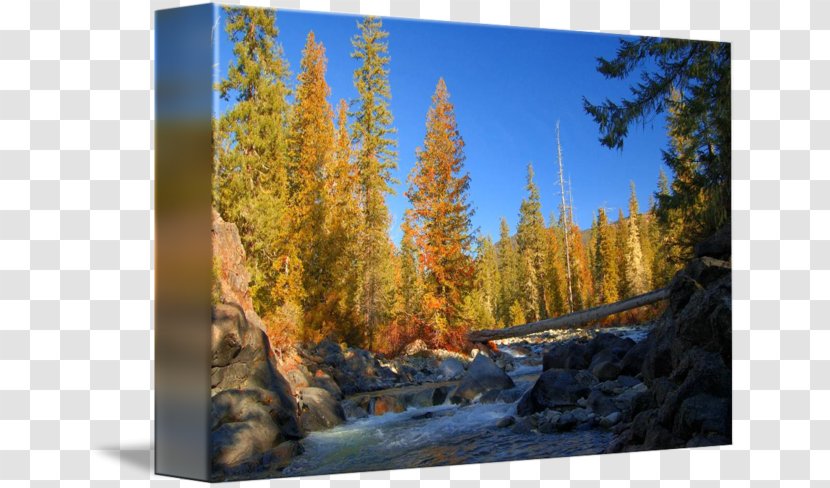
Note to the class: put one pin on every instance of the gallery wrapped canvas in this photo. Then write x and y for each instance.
(387, 243)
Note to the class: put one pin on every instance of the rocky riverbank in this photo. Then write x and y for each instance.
(653, 386)
(671, 390)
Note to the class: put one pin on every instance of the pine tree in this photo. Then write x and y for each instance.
(375, 156)
(646, 227)
(311, 156)
(342, 232)
(667, 237)
(251, 170)
(583, 286)
(480, 303)
(509, 292)
(530, 238)
(620, 242)
(606, 279)
(440, 219)
(412, 281)
(592, 256)
(691, 81)
(517, 313)
(636, 275)
(557, 299)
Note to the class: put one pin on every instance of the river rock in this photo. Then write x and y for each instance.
(600, 403)
(321, 379)
(355, 408)
(604, 365)
(524, 425)
(420, 399)
(555, 388)
(619, 385)
(386, 404)
(440, 394)
(687, 365)
(610, 343)
(241, 426)
(702, 413)
(632, 363)
(568, 355)
(575, 418)
(505, 422)
(319, 410)
(548, 420)
(252, 408)
(508, 395)
(359, 371)
(482, 376)
(451, 368)
(610, 420)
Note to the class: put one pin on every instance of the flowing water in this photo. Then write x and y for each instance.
(442, 435)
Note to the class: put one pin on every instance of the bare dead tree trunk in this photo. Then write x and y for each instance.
(565, 221)
(570, 320)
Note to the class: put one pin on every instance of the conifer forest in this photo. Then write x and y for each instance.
(306, 178)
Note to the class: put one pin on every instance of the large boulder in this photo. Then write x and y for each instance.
(451, 368)
(321, 379)
(604, 365)
(556, 388)
(632, 363)
(230, 273)
(701, 414)
(253, 409)
(568, 355)
(482, 376)
(354, 370)
(611, 344)
(242, 427)
(319, 410)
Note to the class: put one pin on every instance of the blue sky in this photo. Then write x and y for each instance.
(509, 87)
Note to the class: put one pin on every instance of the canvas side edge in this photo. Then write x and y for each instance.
(184, 56)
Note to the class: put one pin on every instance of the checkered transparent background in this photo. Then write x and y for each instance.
(76, 184)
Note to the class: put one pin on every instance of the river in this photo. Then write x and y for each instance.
(444, 434)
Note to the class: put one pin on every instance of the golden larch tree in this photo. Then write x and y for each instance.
(440, 220)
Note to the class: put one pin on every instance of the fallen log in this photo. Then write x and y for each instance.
(571, 319)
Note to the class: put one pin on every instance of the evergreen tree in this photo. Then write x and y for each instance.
(250, 167)
(557, 299)
(508, 258)
(667, 237)
(646, 228)
(375, 157)
(691, 80)
(440, 219)
(592, 255)
(480, 303)
(311, 155)
(620, 242)
(412, 282)
(343, 226)
(516, 313)
(583, 287)
(606, 279)
(635, 269)
(530, 238)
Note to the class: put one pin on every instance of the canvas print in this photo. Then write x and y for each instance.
(439, 243)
